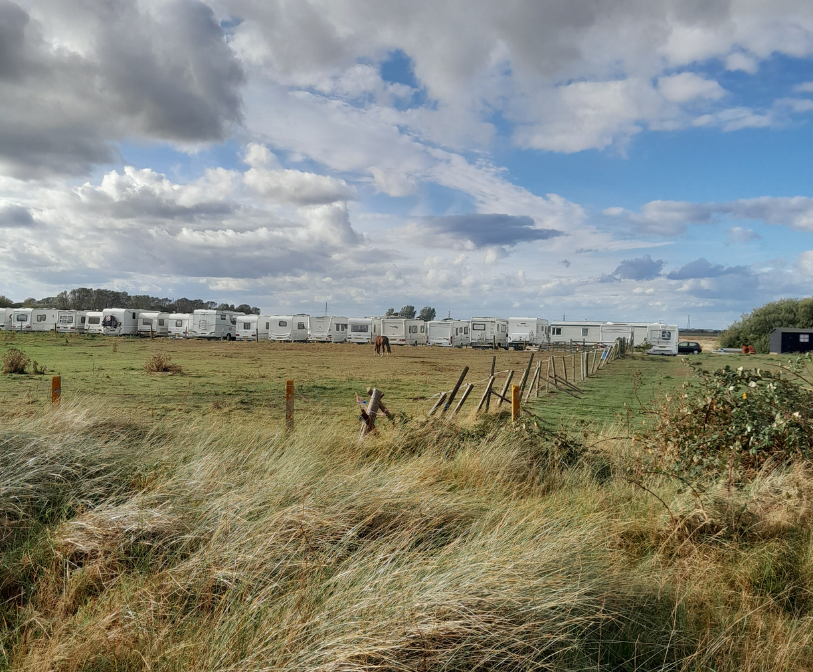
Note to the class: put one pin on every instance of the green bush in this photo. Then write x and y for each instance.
(755, 327)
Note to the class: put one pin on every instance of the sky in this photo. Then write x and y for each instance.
(644, 160)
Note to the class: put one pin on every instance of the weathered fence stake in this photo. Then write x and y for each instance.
(438, 403)
(534, 381)
(465, 396)
(56, 389)
(515, 406)
(289, 404)
(505, 389)
(524, 378)
(486, 395)
(456, 388)
(372, 411)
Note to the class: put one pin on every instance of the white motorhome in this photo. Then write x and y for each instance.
(71, 321)
(401, 331)
(363, 329)
(253, 327)
(525, 331)
(489, 332)
(327, 329)
(214, 324)
(44, 319)
(153, 323)
(120, 321)
(19, 319)
(178, 325)
(663, 338)
(93, 322)
(291, 328)
(448, 333)
(586, 332)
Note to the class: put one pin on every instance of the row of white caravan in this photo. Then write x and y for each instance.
(478, 332)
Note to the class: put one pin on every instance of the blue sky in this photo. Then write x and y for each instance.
(604, 161)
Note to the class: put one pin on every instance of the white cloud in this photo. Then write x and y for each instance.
(743, 62)
(688, 86)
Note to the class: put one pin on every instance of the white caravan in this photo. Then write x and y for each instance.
(588, 333)
(663, 338)
(153, 323)
(363, 329)
(44, 319)
(448, 333)
(489, 332)
(214, 324)
(19, 319)
(93, 323)
(5, 318)
(253, 327)
(327, 329)
(71, 321)
(178, 325)
(525, 331)
(401, 331)
(612, 331)
(120, 321)
(291, 328)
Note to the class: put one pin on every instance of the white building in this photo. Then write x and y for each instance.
(489, 332)
(526, 331)
(327, 329)
(448, 333)
(291, 328)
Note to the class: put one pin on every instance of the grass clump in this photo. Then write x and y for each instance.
(161, 363)
(15, 361)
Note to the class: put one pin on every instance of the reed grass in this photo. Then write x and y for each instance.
(133, 545)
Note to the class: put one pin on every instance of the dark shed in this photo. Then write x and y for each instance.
(785, 339)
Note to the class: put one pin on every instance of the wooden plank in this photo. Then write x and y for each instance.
(465, 396)
(455, 389)
(505, 389)
(56, 389)
(486, 395)
(515, 403)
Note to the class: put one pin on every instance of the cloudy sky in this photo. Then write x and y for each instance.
(633, 159)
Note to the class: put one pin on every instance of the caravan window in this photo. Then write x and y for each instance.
(179, 323)
(465, 331)
(222, 317)
(282, 323)
(300, 325)
(82, 320)
(246, 325)
(147, 322)
(666, 335)
(422, 326)
(41, 318)
(160, 323)
(267, 325)
(134, 315)
(22, 318)
(556, 331)
(359, 329)
(478, 326)
(94, 320)
(585, 331)
(413, 329)
(66, 319)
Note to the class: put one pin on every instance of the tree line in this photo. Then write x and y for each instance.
(755, 328)
(408, 312)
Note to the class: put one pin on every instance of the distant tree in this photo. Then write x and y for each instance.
(5, 302)
(390, 312)
(407, 312)
(226, 306)
(30, 302)
(755, 328)
(427, 314)
(248, 310)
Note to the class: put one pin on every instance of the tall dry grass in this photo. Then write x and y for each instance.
(209, 546)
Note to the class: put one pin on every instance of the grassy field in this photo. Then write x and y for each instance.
(165, 522)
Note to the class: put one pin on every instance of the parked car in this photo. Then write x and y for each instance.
(689, 348)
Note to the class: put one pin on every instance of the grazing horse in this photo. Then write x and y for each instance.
(382, 343)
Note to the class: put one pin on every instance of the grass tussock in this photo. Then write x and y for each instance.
(161, 363)
(15, 361)
(210, 545)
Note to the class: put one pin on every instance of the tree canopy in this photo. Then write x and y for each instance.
(427, 314)
(755, 328)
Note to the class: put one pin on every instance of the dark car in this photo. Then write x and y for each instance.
(689, 348)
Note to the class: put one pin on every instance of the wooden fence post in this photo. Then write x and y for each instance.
(456, 388)
(523, 381)
(289, 404)
(488, 394)
(505, 389)
(372, 410)
(56, 389)
(515, 403)
(465, 396)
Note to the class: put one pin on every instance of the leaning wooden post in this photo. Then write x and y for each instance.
(573, 365)
(372, 410)
(465, 396)
(438, 403)
(534, 381)
(547, 376)
(505, 389)
(553, 362)
(289, 404)
(456, 388)
(515, 399)
(56, 389)
(525, 375)
(486, 395)
(538, 377)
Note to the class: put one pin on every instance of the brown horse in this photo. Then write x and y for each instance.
(382, 343)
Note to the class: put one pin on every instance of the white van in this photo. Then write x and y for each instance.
(178, 325)
(291, 328)
(120, 321)
(526, 331)
(448, 333)
(19, 319)
(585, 332)
(663, 338)
(363, 329)
(153, 323)
(214, 324)
(327, 329)
(489, 332)
(93, 323)
(253, 327)
(401, 331)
